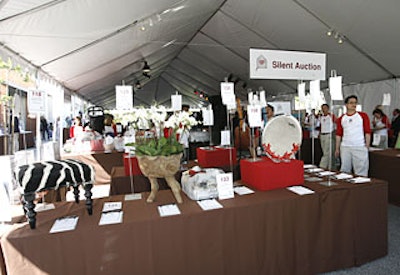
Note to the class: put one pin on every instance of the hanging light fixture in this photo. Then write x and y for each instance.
(138, 86)
(146, 68)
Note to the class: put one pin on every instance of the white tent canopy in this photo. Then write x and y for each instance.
(90, 46)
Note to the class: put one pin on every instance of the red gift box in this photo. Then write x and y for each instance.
(134, 167)
(267, 175)
(216, 156)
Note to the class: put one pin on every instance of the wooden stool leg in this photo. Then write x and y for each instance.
(29, 206)
(76, 192)
(88, 195)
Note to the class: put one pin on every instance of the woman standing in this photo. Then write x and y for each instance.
(380, 126)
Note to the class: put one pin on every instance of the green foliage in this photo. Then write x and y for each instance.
(158, 147)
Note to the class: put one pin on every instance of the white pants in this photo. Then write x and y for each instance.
(354, 158)
(328, 149)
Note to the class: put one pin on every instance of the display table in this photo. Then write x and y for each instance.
(385, 164)
(101, 162)
(272, 232)
(216, 156)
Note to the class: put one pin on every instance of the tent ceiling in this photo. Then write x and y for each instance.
(90, 46)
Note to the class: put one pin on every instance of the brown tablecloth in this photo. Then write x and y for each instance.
(102, 163)
(273, 232)
(385, 165)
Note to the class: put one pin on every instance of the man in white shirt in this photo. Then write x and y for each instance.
(353, 136)
(327, 138)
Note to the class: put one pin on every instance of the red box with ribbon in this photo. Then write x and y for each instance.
(208, 157)
(267, 175)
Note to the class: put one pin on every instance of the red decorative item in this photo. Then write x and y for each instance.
(134, 167)
(216, 156)
(97, 145)
(267, 175)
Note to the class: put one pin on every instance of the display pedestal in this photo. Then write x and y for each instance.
(209, 157)
(267, 175)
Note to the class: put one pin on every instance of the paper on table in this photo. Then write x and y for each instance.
(111, 217)
(314, 170)
(168, 210)
(314, 179)
(343, 176)
(225, 186)
(308, 166)
(360, 180)
(110, 206)
(300, 190)
(209, 204)
(40, 207)
(326, 173)
(132, 197)
(64, 224)
(242, 190)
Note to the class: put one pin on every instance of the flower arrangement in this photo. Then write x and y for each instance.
(155, 118)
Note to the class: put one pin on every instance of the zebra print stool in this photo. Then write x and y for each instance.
(47, 175)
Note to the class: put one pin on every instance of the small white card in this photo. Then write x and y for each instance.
(111, 206)
(386, 100)
(242, 190)
(254, 115)
(225, 137)
(326, 173)
(111, 217)
(225, 186)
(314, 170)
(375, 149)
(360, 180)
(64, 224)
(308, 166)
(133, 197)
(314, 179)
(300, 190)
(209, 204)
(40, 207)
(343, 176)
(168, 210)
(208, 117)
(176, 102)
(335, 88)
(228, 93)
